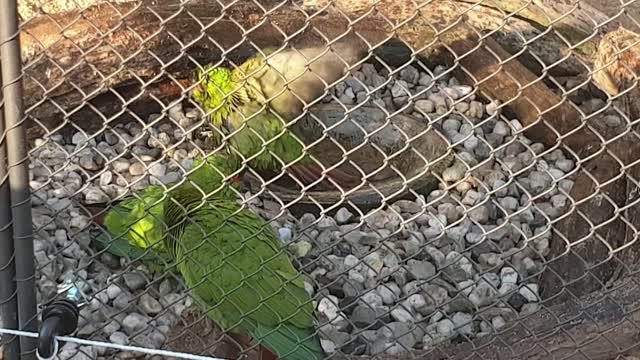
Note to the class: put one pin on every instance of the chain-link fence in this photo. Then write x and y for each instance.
(315, 179)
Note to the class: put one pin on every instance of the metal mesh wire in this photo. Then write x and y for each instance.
(446, 179)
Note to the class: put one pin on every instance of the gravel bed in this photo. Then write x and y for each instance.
(457, 264)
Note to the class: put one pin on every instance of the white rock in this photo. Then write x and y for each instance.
(106, 178)
(463, 323)
(508, 275)
(343, 215)
(402, 315)
(530, 292)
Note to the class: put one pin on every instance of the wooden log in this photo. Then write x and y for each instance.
(608, 183)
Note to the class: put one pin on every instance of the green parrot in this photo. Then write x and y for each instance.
(256, 94)
(232, 262)
(136, 223)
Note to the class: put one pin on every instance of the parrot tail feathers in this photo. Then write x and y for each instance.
(289, 342)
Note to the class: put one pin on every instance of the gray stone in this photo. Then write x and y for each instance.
(528, 309)
(454, 173)
(371, 299)
(509, 203)
(306, 220)
(530, 292)
(121, 165)
(421, 269)
(119, 338)
(565, 185)
(464, 324)
(389, 292)
(502, 129)
(480, 214)
(407, 206)
(446, 328)
(285, 234)
(88, 162)
(612, 120)
(436, 256)
(327, 223)
(137, 169)
(425, 106)
(113, 291)
(451, 125)
(425, 80)
(95, 196)
(301, 248)
(133, 323)
(559, 201)
(352, 289)
(134, 280)
(410, 74)
(106, 178)
(158, 170)
(402, 315)
(565, 165)
(346, 99)
(79, 139)
(539, 181)
(401, 332)
(366, 316)
(508, 275)
(43, 222)
(343, 215)
(149, 305)
(483, 294)
(400, 88)
(329, 309)
(123, 301)
(458, 268)
(498, 322)
(490, 260)
(435, 296)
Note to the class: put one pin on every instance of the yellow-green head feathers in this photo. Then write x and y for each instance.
(215, 92)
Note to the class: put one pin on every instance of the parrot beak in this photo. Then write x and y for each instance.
(198, 88)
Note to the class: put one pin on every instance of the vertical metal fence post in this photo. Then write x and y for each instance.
(18, 160)
(9, 346)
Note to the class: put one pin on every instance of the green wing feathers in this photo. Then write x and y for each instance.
(140, 219)
(290, 342)
(137, 219)
(231, 260)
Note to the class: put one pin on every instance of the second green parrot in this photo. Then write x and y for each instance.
(266, 95)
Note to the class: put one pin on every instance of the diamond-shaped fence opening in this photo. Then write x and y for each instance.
(316, 179)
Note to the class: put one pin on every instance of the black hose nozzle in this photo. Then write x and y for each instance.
(58, 319)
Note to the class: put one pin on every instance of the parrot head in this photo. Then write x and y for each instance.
(215, 92)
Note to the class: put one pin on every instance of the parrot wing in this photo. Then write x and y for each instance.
(130, 218)
(235, 265)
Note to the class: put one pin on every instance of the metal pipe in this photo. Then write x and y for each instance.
(18, 161)
(9, 346)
